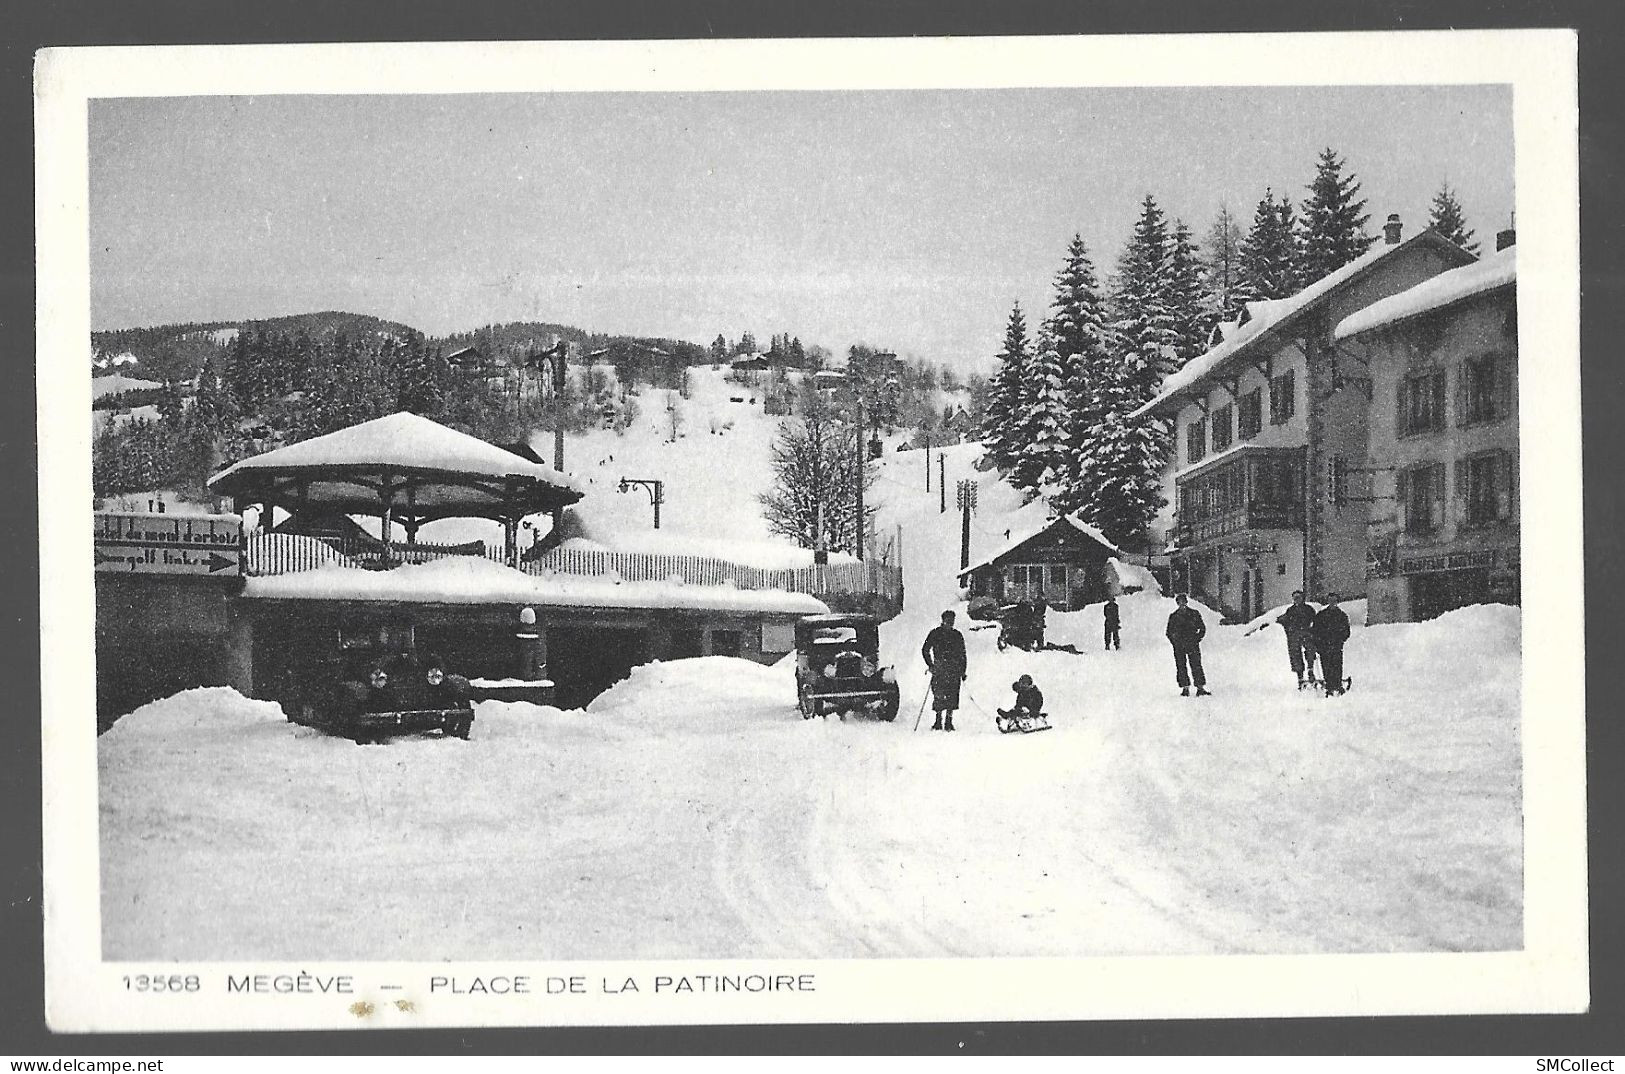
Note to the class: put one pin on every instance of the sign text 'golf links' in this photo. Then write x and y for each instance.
(170, 544)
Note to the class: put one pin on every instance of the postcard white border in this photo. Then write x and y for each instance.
(1549, 975)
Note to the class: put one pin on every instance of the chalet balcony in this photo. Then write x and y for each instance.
(1261, 516)
(1248, 489)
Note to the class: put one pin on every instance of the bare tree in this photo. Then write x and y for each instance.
(817, 463)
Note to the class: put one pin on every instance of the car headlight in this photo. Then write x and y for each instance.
(379, 678)
(888, 675)
(868, 668)
(829, 671)
(435, 676)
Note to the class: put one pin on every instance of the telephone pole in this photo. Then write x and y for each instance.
(859, 450)
(942, 483)
(967, 504)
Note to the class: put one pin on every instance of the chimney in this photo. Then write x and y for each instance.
(1390, 230)
(1506, 238)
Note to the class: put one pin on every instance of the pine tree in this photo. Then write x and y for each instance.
(1121, 457)
(719, 349)
(1448, 220)
(1082, 338)
(1004, 394)
(1333, 227)
(1269, 253)
(1043, 427)
(1192, 322)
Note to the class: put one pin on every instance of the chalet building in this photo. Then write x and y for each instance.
(1257, 421)
(1066, 564)
(1443, 446)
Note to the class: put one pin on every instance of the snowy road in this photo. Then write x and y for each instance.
(691, 813)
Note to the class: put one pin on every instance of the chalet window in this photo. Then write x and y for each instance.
(1196, 440)
(726, 642)
(1421, 403)
(1283, 397)
(1484, 488)
(1421, 498)
(1223, 422)
(1276, 483)
(1482, 390)
(1251, 414)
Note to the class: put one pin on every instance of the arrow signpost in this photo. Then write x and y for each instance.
(206, 545)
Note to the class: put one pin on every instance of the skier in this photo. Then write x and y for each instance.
(1112, 623)
(1185, 632)
(1029, 699)
(1300, 650)
(944, 653)
(1329, 631)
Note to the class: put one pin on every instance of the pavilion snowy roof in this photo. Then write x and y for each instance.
(1268, 318)
(1015, 542)
(424, 467)
(1496, 271)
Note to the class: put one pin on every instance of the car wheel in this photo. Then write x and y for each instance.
(808, 706)
(888, 711)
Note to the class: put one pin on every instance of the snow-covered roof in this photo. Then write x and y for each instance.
(1073, 520)
(475, 580)
(452, 472)
(1496, 271)
(405, 441)
(1268, 316)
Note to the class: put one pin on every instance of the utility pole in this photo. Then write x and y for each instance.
(859, 449)
(928, 460)
(967, 504)
(942, 483)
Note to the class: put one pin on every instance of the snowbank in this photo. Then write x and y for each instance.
(720, 693)
(1131, 578)
(206, 710)
(475, 580)
(588, 530)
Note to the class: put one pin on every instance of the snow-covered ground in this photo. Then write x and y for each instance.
(691, 812)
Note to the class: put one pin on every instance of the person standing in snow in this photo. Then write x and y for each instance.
(944, 652)
(1328, 633)
(1185, 633)
(1112, 624)
(1296, 621)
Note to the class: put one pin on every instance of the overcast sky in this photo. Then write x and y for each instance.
(909, 220)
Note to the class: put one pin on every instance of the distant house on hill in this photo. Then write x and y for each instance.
(1066, 563)
(751, 363)
(829, 380)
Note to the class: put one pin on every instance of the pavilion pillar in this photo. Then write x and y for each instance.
(510, 541)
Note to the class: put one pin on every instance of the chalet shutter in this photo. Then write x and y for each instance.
(1503, 485)
(1461, 498)
(1402, 493)
(1463, 392)
(1436, 512)
(1504, 368)
(1400, 391)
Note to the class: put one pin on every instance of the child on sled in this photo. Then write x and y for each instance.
(1027, 714)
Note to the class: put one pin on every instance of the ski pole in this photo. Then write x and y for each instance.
(923, 700)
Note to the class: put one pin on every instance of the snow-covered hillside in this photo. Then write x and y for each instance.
(691, 812)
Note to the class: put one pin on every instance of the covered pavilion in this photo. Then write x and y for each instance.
(403, 469)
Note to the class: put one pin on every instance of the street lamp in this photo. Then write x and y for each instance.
(654, 486)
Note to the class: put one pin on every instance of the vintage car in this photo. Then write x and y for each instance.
(373, 683)
(838, 667)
